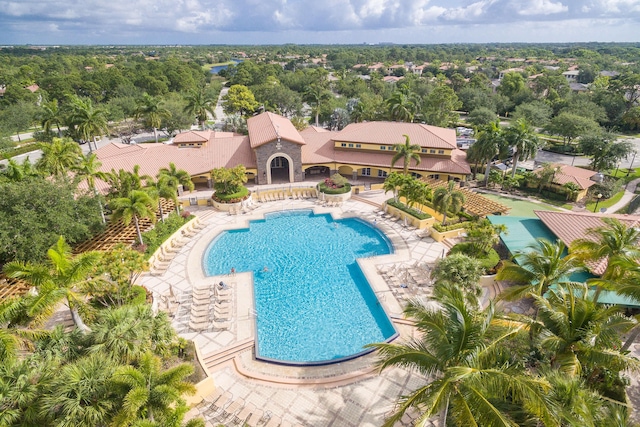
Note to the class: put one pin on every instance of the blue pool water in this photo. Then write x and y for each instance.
(314, 304)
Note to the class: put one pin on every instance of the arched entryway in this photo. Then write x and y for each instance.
(279, 169)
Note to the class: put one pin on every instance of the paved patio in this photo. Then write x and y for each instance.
(345, 394)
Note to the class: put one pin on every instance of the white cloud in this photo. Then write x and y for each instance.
(543, 7)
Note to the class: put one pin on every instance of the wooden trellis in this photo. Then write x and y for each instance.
(475, 204)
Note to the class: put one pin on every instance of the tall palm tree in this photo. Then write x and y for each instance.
(174, 177)
(149, 391)
(89, 121)
(316, 94)
(472, 376)
(489, 145)
(138, 205)
(200, 104)
(163, 188)
(447, 199)
(151, 110)
(59, 157)
(522, 138)
(89, 169)
(542, 265)
(402, 106)
(61, 278)
(51, 115)
(407, 152)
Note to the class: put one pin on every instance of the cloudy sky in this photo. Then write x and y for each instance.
(316, 21)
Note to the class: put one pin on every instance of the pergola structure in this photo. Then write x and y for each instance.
(474, 204)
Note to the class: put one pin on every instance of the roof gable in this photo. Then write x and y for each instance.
(267, 127)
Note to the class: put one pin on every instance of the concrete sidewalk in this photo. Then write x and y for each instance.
(629, 194)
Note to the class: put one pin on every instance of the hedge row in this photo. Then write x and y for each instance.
(404, 208)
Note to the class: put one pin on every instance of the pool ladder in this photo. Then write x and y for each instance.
(252, 313)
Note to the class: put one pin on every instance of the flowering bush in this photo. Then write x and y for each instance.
(185, 214)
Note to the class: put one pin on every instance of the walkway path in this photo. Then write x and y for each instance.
(629, 194)
(346, 401)
(221, 117)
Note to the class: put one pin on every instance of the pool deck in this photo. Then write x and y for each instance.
(350, 393)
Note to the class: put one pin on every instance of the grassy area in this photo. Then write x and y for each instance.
(622, 174)
(607, 203)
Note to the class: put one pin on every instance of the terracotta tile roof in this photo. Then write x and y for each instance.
(267, 127)
(427, 164)
(580, 177)
(319, 147)
(388, 133)
(227, 152)
(570, 226)
(193, 136)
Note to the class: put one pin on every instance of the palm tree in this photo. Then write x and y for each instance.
(151, 110)
(447, 199)
(403, 106)
(149, 392)
(414, 191)
(58, 157)
(14, 337)
(489, 144)
(316, 94)
(61, 278)
(89, 169)
(581, 336)
(129, 331)
(138, 205)
(122, 182)
(394, 182)
(163, 188)
(535, 270)
(82, 393)
(200, 104)
(51, 115)
(17, 172)
(472, 376)
(407, 152)
(609, 243)
(523, 140)
(89, 121)
(22, 384)
(175, 177)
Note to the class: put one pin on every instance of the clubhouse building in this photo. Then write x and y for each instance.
(275, 152)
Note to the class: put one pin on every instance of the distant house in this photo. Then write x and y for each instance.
(509, 70)
(582, 178)
(571, 76)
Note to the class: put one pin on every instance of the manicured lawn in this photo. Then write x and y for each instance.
(605, 203)
(519, 207)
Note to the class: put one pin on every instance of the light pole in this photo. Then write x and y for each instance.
(631, 165)
(599, 196)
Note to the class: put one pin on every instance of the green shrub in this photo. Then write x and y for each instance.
(138, 295)
(488, 261)
(232, 197)
(404, 208)
(327, 189)
(162, 231)
(438, 226)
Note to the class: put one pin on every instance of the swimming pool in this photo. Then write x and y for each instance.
(313, 304)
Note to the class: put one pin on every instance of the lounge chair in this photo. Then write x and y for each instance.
(220, 403)
(233, 407)
(255, 418)
(221, 326)
(217, 394)
(273, 421)
(199, 325)
(242, 416)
